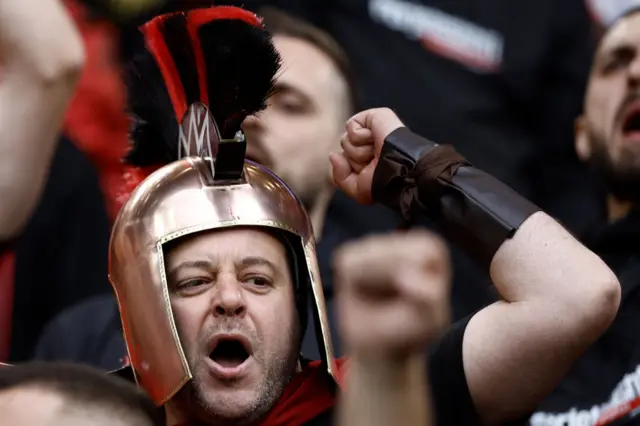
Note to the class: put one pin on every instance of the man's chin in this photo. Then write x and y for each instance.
(622, 184)
(230, 405)
(620, 177)
(213, 387)
(224, 405)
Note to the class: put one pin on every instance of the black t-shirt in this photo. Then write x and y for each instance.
(608, 374)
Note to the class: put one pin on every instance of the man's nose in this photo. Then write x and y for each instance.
(229, 298)
(251, 123)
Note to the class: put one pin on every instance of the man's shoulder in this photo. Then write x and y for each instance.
(88, 333)
(88, 316)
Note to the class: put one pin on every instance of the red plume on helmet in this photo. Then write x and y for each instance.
(221, 57)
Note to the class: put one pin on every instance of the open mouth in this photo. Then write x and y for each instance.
(631, 123)
(230, 352)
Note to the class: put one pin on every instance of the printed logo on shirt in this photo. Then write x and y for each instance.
(625, 411)
(627, 390)
(477, 48)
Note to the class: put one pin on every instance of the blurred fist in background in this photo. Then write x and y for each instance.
(393, 294)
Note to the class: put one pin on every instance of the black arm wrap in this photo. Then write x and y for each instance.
(415, 176)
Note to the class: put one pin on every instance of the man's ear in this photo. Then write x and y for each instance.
(581, 139)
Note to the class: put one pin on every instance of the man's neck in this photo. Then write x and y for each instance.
(318, 212)
(617, 209)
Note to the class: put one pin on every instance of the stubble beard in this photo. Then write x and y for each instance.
(621, 178)
(277, 371)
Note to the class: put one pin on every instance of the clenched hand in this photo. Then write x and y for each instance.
(361, 145)
(393, 294)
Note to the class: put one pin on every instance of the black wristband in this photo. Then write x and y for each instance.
(476, 211)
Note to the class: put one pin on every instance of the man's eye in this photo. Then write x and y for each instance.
(613, 65)
(258, 281)
(290, 104)
(619, 61)
(192, 283)
(292, 108)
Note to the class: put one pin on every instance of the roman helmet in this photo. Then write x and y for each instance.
(200, 74)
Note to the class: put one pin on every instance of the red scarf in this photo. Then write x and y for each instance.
(310, 393)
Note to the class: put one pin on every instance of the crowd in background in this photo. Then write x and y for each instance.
(520, 88)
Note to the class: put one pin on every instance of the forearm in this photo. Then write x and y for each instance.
(383, 393)
(415, 176)
(42, 59)
(530, 256)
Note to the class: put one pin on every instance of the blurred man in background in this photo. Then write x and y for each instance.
(315, 95)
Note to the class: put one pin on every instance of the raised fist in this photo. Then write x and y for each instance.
(361, 145)
(393, 293)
